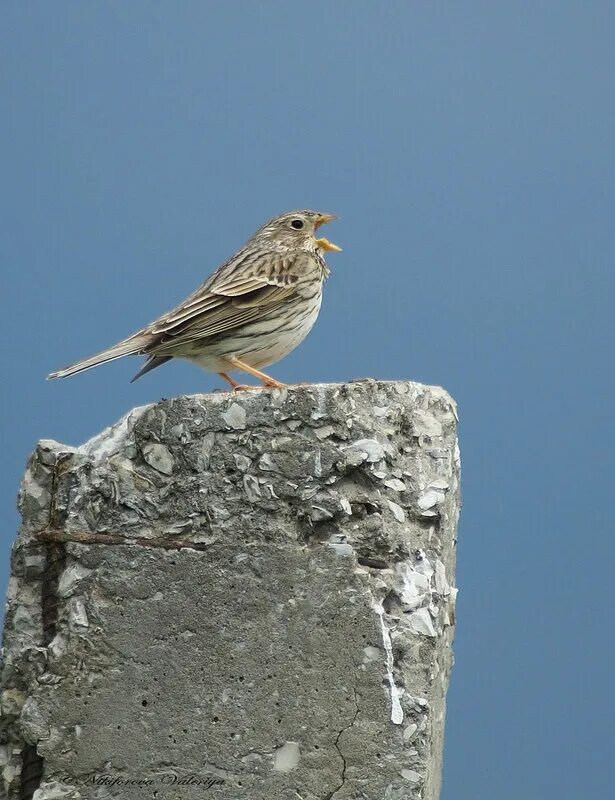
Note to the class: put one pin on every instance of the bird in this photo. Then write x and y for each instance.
(250, 313)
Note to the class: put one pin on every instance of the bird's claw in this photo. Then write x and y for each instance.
(244, 387)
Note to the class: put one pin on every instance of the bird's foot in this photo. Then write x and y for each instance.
(245, 387)
(268, 381)
(237, 387)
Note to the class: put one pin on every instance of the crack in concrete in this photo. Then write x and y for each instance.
(336, 744)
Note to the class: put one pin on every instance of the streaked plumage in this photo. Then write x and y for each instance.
(250, 313)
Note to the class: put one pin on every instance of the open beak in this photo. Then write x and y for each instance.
(322, 219)
(323, 243)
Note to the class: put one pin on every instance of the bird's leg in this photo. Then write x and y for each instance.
(236, 387)
(228, 379)
(268, 381)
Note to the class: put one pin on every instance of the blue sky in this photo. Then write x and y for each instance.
(468, 149)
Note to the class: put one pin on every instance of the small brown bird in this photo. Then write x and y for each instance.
(250, 313)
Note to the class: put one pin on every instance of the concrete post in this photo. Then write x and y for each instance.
(242, 597)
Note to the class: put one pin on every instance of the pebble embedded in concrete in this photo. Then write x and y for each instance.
(286, 758)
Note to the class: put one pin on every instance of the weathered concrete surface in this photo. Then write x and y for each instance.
(301, 653)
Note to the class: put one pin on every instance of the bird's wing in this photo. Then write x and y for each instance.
(236, 294)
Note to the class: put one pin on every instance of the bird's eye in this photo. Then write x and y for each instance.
(297, 224)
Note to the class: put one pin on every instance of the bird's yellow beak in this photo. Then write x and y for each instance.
(323, 243)
(322, 219)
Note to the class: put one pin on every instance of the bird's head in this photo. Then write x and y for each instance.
(296, 230)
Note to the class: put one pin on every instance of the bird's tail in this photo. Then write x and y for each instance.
(127, 347)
